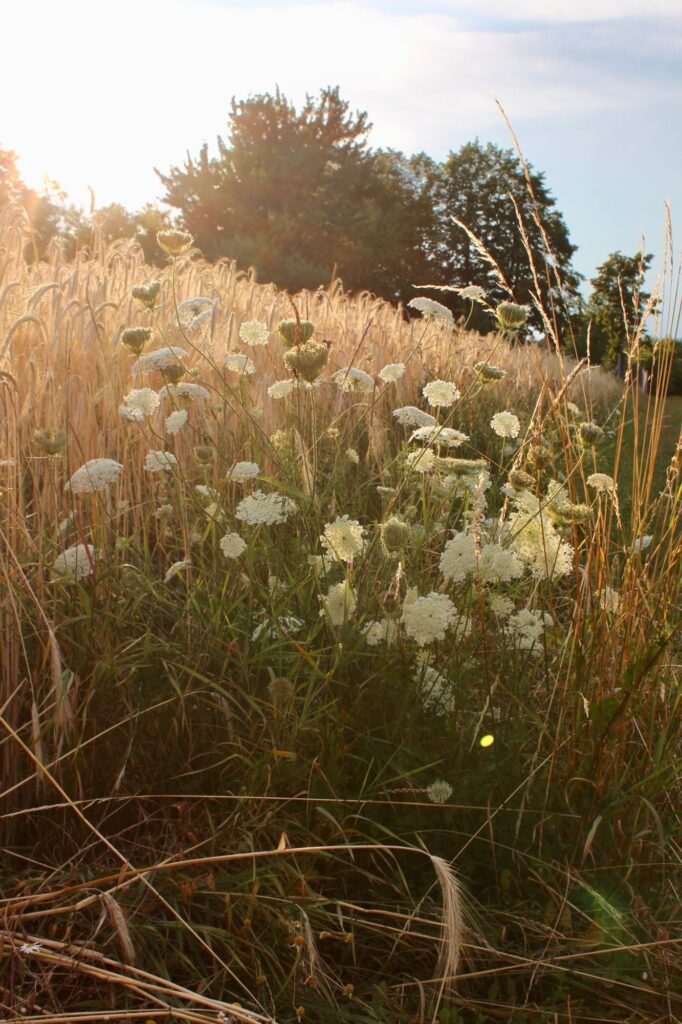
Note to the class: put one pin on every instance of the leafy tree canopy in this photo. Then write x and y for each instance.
(615, 307)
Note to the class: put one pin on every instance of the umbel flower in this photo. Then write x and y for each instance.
(237, 363)
(281, 388)
(439, 792)
(411, 416)
(395, 535)
(139, 404)
(242, 471)
(589, 434)
(160, 359)
(160, 462)
(510, 316)
(339, 603)
(343, 539)
(381, 631)
(432, 310)
(93, 476)
(441, 393)
(447, 436)
(174, 242)
(392, 372)
(254, 333)
(136, 339)
(265, 509)
(147, 294)
(76, 562)
(50, 440)
(352, 379)
(307, 360)
(602, 483)
(505, 424)
(186, 389)
(192, 313)
(426, 619)
(176, 421)
(232, 545)
(488, 373)
(295, 332)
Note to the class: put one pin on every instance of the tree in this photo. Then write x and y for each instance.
(615, 307)
(45, 209)
(479, 185)
(299, 194)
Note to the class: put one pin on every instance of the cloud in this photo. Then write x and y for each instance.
(549, 11)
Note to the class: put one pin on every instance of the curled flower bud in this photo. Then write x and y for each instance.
(173, 371)
(569, 514)
(280, 690)
(539, 456)
(511, 317)
(293, 332)
(136, 339)
(589, 434)
(487, 373)
(520, 480)
(307, 360)
(147, 294)
(51, 441)
(395, 534)
(174, 242)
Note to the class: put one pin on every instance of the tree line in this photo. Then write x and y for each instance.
(300, 196)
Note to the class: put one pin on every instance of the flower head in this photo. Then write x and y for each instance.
(411, 416)
(237, 363)
(473, 292)
(174, 242)
(242, 471)
(352, 379)
(94, 475)
(160, 462)
(265, 509)
(446, 436)
(147, 294)
(432, 310)
(487, 372)
(254, 333)
(339, 603)
(441, 393)
(439, 792)
(232, 545)
(383, 631)
(392, 372)
(76, 562)
(426, 619)
(176, 568)
(307, 360)
(602, 483)
(510, 316)
(506, 424)
(160, 359)
(136, 339)
(186, 389)
(343, 539)
(176, 421)
(458, 559)
(138, 404)
(281, 388)
(295, 332)
(192, 313)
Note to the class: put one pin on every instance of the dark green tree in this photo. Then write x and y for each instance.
(298, 195)
(478, 186)
(615, 307)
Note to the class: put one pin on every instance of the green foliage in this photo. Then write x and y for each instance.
(615, 307)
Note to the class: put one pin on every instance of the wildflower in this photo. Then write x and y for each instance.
(285, 624)
(176, 421)
(339, 603)
(539, 456)
(343, 539)
(163, 512)
(458, 559)
(280, 690)
(642, 543)
(575, 409)
(232, 545)
(439, 792)
(432, 310)
(242, 471)
(382, 631)
(602, 483)
(352, 379)
(176, 568)
(589, 434)
(160, 462)
(94, 475)
(139, 404)
(174, 242)
(500, 605)
(570, 514)
(307, 360)
(488, 373)
(447, 436)
(192, 313)
(427, 618)
(410, 416)
(136, 339)
(147, 294)
(392, 372)
(535, 539)
(609, 600)
(520, 480)
(254, 333)
(237, 363)
(295, 332)
(352, 456)
(498, 564)
(505, 424)
(265, 509)
(421, 462)
(281, 388)
(473, 292)
(395, 535)
(30, 947)
(436, 690)
(77, 562)
(441, 393)
(526, 628)
(186, 389)
(511, 317)
(160, 359)
(50, 440)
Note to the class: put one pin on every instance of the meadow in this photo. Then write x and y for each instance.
(339, 665)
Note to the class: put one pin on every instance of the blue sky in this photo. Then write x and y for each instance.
(100, 93)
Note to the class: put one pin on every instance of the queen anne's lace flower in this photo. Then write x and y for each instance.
(609, 600)
(432, 310)
(535, 538)
(185, 389)
(458, 559)
(436, 690)
(192, 313)
(352, 379)
(254, 333)
(160, 359)
(526, 628)
(285, 624)
(441, 393)
(392, 372)
(232, 545)
(447, 436)
(602, 482)
(411, 416)
(426, 619)
(382, 631)
(281, 388)
(77, 561)
(94, 475)
(138, 404)
(505, 424)
(498, 564)
(500, 605)
(160, 462)
(176, 421)
(176, 568)
(343, 539)
(242, 471)
(237, 363)
(339, 603)
(422, 461)
(265, 509)
(474, 292)
(439, 792)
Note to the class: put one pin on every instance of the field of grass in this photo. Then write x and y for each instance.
(339, 678)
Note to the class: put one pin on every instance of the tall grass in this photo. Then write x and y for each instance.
(216, 791)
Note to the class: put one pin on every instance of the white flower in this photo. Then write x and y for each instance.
(160, 462)
(30, 947)
(526, 628)
(281, 388)
(500, 605)
(77, 561)
(602, 482)
(177, 567)
(159, 359)
(94, 475)
(447, 436)
(441, 393)
(285, 624)
(343, 539)
(185, 389)
(176, 421)
(498, 564)
(242, 471)
(642, 543)
(427, 618)
(351, 379)
(239, 364)
(432, 310)
(254, 333)
(609, 600)
(260, 508)
(534, 537)
(232, 545)
(422, 461)
(505, 424)
(339, 603)
(192, 313)
(353, 456)
(439, 792)
(410, 416)
(382, 631)
(473, 292)
(391, 372)
(436, 690)
(458, 559)
(139, 403)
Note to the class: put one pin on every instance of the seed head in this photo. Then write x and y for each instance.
(292, 334)
(136, 339)
(147, 294)
(51, 441)
(511, 317)
(174, 242)
(487, 373)
(589, 434)
(539, 456)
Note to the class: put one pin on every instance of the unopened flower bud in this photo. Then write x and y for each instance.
(51, 441)
(280, 690)
(511, 317)
(147, 294)
(539, 457)
(307, 360)
(487, 372)
(589, 434)
(395, 534)
(173, 372)
(174, 242)
(136, 339)
(520, 480)
(294, 333)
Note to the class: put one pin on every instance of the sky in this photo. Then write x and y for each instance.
(96, 93)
